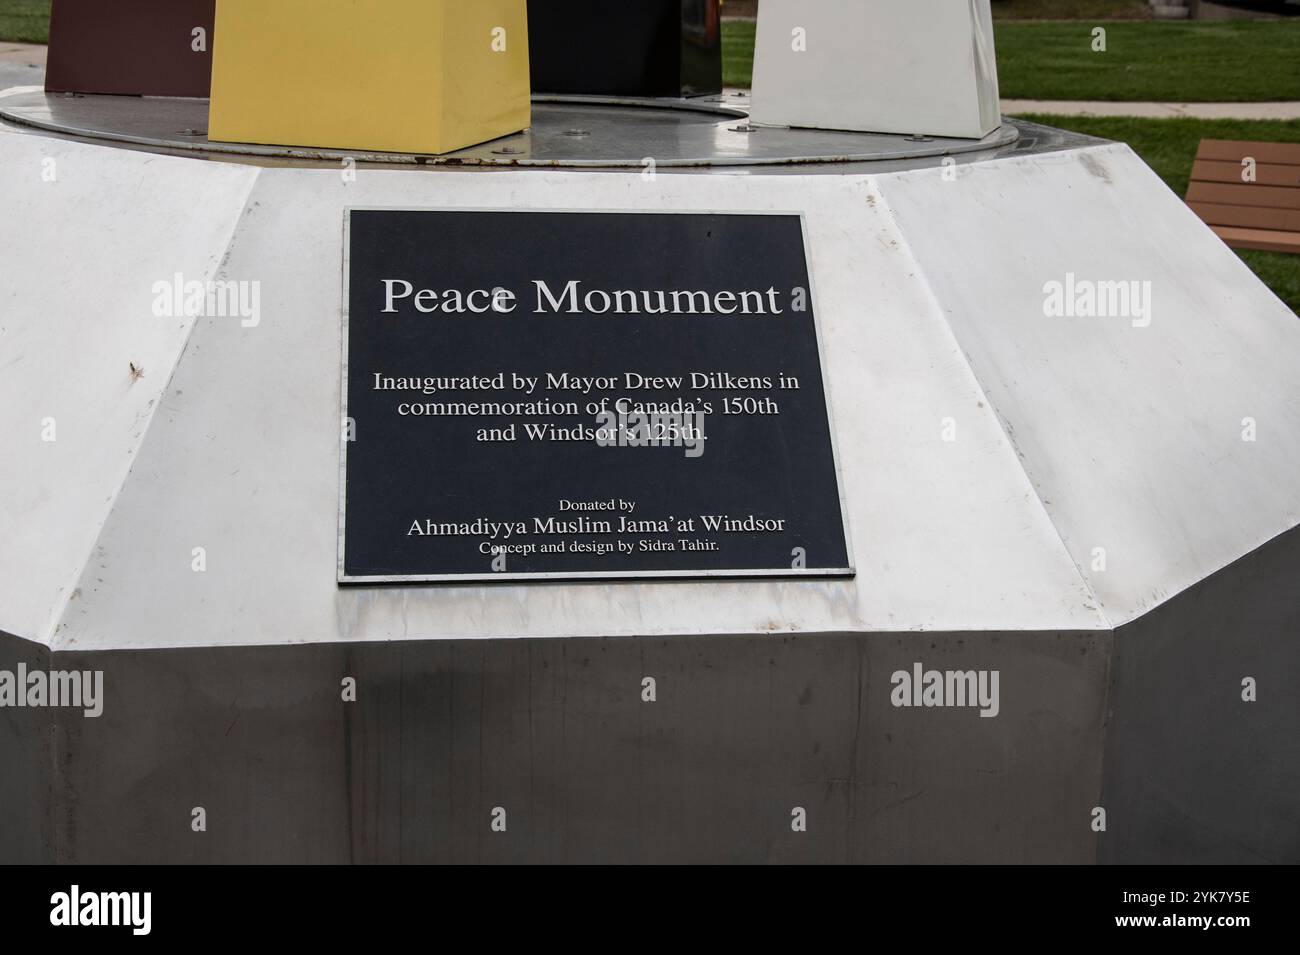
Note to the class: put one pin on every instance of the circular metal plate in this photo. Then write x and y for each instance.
(566, 131)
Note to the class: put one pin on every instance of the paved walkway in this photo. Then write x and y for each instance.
(1016, 107)
(23, 64)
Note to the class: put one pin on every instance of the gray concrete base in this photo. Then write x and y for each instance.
(743, 731)
(1193, 772)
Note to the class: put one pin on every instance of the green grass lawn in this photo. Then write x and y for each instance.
(1231, 61)
(25, 21)
(737, 52)
(1071, 9)
(1169, 146)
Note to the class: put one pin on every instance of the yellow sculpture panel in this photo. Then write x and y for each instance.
(422, 76)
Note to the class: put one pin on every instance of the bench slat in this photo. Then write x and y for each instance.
(1264, 239)
(1250, 217)
(1244, 194)
(1266, 174)
(1227, 150)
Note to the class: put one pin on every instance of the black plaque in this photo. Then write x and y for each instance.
(569, 395)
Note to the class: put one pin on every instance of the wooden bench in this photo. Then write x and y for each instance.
(1264, 214)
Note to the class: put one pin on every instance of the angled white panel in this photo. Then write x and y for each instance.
(1132, 433)
(85, 232)
(242, 456)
